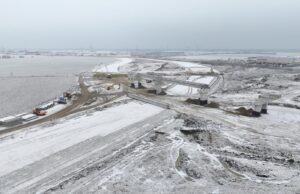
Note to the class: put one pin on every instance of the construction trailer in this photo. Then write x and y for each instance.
(47, 106)
(10, 121)
(29, 117)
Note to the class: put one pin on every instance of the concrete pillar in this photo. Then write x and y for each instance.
(131, 79)
(256, 110)
(264, 109)
(203, 101)
(157, 87)
(158, 90)
(137, 84)
(203, 96)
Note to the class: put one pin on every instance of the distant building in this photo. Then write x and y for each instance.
(157, 54)
(271, 60)
(5, 56)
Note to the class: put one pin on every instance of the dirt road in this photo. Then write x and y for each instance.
(74, 107)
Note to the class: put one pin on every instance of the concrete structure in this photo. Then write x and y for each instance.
(264, 109)
(159, 80)
(256, 109)
(264, 99)
(203, 96)
(147, 100)
(158, 86)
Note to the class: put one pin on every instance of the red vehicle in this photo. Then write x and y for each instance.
(39, 112)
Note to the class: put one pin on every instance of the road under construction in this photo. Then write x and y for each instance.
(121, 134)
(159, 80)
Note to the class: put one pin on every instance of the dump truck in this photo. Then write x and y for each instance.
(39, 112)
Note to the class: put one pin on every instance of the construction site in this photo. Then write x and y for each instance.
(160, 125)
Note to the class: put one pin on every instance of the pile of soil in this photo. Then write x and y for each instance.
(197, 102)
(247, 112)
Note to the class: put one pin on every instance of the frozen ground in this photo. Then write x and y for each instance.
(32, 145)
(153, 155)
(132, 147)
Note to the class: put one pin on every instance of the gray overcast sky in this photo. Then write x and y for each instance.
(150, 24)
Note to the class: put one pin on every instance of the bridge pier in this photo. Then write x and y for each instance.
(135, 81)
(257, 110)
(137, 84)
(157, 87)
(264, 109)
(203, 100)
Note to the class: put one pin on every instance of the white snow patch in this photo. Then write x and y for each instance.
(180, 90)
(201, 79)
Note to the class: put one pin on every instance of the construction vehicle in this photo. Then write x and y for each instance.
(39, 112)
(112, 86)
(47, 106)
(62, 100)
(67, 95)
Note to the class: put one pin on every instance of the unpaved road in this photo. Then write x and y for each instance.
(73, 108)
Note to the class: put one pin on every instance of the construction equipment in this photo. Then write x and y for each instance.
(67, 95)
(47, 106)
(39, 112)
(62, 100)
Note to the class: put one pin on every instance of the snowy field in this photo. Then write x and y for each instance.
(128, 146)
(180, 90)
(25, 147)
(113, 67)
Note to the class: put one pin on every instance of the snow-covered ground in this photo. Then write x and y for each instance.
(25, 147)
(180, 90)
(133, 147)
(114, 67)
(201, 79)
(190, 66)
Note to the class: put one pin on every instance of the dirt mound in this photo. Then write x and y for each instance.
(184, 163)
(239, 167)
(245, 112)
(197, 102)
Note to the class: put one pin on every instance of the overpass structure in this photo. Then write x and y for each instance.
(259, 105)
(158, 80)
